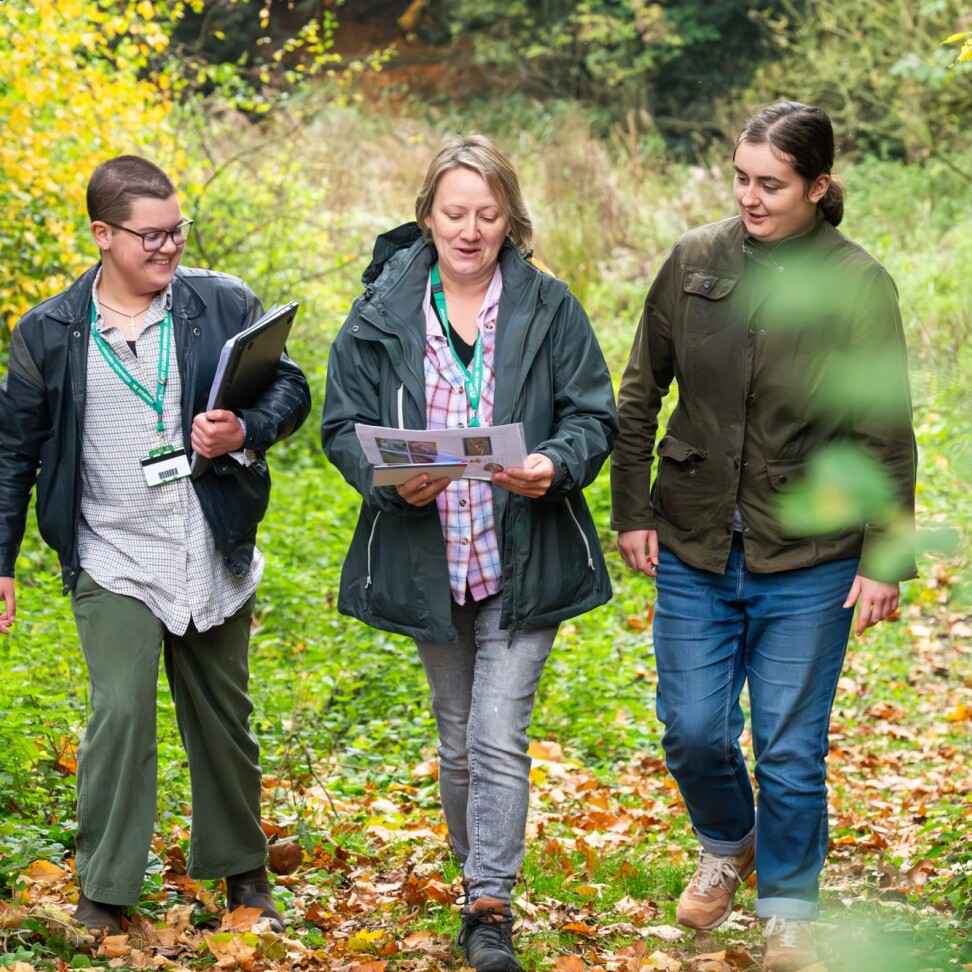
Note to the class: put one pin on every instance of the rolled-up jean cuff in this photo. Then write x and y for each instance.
(796, 909)
(726, 848)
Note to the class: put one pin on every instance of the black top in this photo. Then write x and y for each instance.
(464, 352)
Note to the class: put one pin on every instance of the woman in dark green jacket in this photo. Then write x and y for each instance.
(457, 329)
(785, 472)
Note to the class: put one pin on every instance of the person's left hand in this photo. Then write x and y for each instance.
(216, 433)
(878, 601)
(533, 480)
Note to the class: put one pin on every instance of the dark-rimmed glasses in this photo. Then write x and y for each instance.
(155, 239)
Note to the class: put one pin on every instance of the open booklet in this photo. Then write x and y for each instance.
(400, 454)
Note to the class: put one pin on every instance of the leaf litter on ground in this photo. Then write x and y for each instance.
(365, 877)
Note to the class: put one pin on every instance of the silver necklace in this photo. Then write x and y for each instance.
(131, 317)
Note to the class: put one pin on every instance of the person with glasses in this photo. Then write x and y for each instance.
(155, 239)
(102, 406)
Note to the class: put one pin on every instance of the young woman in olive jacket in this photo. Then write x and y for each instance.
(483, 634)
(785, 340)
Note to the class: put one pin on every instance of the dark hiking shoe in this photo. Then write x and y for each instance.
(251, 889)
(486, 936)
(99, 917)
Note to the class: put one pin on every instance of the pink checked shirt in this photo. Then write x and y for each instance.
(466, 506)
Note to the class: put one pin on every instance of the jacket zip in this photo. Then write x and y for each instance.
(518, 392)
(374, 526)
(587, 546)
(78, 376)
(515, 409)
(371, 537)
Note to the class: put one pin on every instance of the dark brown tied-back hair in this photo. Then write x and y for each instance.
(115, 183)
(803, 136)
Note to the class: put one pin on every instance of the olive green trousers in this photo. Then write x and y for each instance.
(208, 674)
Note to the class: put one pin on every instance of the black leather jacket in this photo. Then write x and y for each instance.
(42, 402)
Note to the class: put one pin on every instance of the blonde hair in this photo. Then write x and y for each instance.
(477, 152)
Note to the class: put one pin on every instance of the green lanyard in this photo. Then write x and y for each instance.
(153, 401)
(474, 381)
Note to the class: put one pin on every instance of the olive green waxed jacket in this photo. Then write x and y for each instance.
(782, 354)
(550, 375)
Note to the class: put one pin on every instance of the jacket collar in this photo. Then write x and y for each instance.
(72, 306)
(393, 306)
(779, 250)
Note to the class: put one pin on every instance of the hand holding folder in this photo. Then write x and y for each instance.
(247, 365)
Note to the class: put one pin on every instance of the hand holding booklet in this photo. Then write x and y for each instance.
(399, 454)
(247, 364)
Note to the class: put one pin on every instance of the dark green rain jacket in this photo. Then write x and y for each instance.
(550, 375)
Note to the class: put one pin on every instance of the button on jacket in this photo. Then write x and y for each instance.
(42, 403)
(778, 351)
(550, 375)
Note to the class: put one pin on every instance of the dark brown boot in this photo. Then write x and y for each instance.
(251, 889)
(486, 936)
(98, 917)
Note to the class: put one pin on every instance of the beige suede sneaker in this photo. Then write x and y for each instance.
(790, 945)
(707, 901)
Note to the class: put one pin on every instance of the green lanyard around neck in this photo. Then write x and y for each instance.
(128, 379)
(474, 381)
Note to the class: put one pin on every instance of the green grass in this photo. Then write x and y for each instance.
(342, 710)
(342, 714)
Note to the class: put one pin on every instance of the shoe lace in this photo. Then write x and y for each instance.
(715, 871)
(495, 930)
(786, 931)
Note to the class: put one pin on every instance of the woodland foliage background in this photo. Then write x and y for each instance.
(296, 132)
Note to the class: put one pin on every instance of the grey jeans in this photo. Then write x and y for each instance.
(482, 692)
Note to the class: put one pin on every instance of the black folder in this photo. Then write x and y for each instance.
(247, 365)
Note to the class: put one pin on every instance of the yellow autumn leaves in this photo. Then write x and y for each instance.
(76, 86)
(965, 54)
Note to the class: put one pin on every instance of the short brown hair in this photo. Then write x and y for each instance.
(115, 183)
(477, 152)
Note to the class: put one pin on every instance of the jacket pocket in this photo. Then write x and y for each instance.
(589, 557)
(554, 565)
(405, 579)
(676, 488)
(704, 290)
(799, 510)
(784, 474)
(677, 449)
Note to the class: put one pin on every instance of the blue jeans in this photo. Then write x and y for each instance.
(786, 634)
(482, 698)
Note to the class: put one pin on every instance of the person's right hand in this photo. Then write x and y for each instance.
(420, 490)
(639, 549)
(9, 600)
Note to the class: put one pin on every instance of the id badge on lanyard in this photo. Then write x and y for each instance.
(167, 463)
(164, 465)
